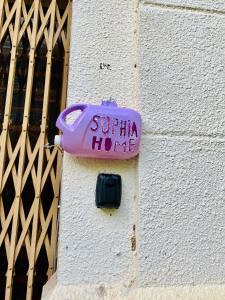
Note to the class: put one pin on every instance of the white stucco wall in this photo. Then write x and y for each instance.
(182, 162)
(95, 245)
(167, 60)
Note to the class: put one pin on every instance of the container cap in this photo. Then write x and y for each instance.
(110, 102)
(57, 140)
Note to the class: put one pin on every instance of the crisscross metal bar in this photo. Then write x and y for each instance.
(24, 162)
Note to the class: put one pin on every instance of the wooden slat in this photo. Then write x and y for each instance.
(45, 225)
(12, 158)
(19, 21)
(22, 217)
(66, 59)
(28, 95)
(32, 156)
(33, 10)
(6, 222)
(22, 154)
(27, 18)
(8, 20)
(61, 22)
(5, 225)
(48, 167)
(7, 11)
(4, 135)
(54, 229)
(8, 106)
(50, 248)
(23, 234)
(44, 20)
(41, 151)
(1, 13)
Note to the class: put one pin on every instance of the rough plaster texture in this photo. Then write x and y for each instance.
(182, 230)
(181, 234)
(213, 6)
(53, 291)
(96, 245)
(182, 71)
(103, 32)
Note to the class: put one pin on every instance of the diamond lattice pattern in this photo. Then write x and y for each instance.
(34, 54)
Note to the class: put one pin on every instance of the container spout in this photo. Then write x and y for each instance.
(57, 140)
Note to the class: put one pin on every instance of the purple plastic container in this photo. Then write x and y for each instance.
(100, 131)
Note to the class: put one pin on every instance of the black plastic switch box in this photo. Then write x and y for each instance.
(108, 191)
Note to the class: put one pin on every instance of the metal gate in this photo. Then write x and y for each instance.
(34, 53)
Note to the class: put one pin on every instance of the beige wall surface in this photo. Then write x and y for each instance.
(95, 245)
(182, 161)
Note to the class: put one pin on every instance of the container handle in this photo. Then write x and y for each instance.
(61, 124)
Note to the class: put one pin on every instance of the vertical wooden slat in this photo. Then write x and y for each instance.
(21, 156)
(54, 231)
(56, 187)
(8, 13)
(66, 59)
(27, 105)
(59, 155)
(8, 22)
(9, 93)
(41, 152)
(10, 214)
(1, 13)
(8, 105)
(35, 238)
(4, 134)
(21, 140)
(6, 221)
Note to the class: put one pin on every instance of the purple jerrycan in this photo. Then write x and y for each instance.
(100, 131)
